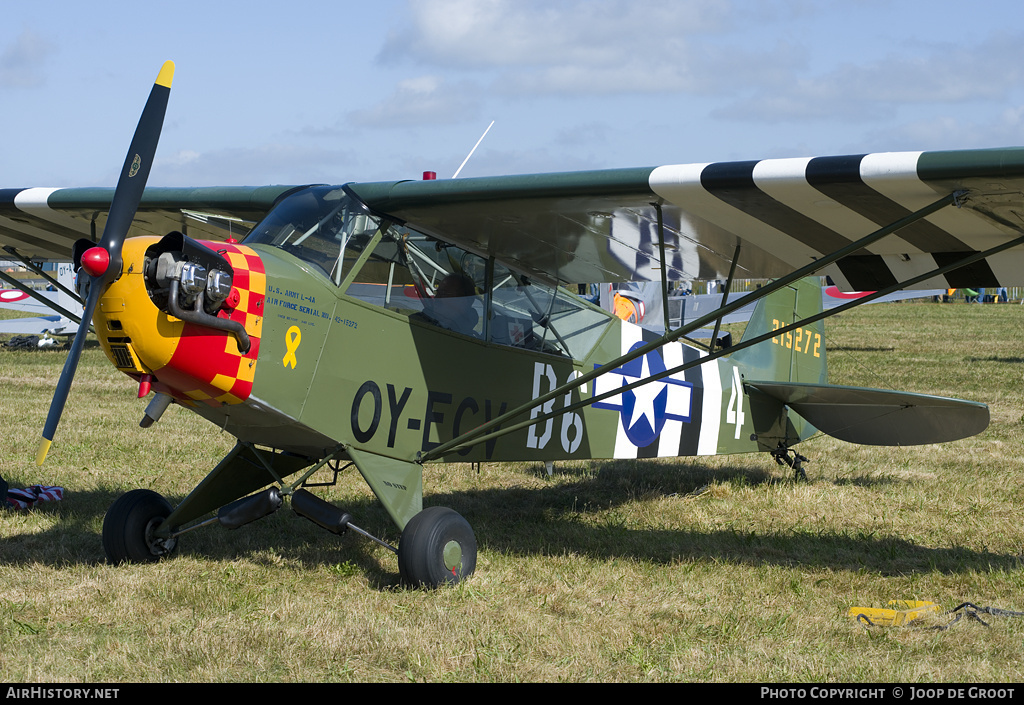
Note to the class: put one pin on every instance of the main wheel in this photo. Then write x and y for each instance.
(130, 525)
(437, 547)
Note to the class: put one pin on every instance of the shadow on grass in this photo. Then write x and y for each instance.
(867, 481)
(546, 520)
(995, 358)
(554, 521)
(74, 537)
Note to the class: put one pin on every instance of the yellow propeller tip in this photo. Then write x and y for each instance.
(166, 75)
(44, 448)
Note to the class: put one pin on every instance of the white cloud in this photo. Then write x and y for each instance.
(21, 63)
(422, 100)
(503, 33)
(579, 46)
(938, 74)
(948, 132)
(272, 163)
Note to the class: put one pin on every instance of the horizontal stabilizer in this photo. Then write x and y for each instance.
(879, 417)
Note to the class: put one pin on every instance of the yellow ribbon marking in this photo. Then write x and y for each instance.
(292, 339)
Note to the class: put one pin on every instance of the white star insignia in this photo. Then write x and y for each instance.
(645, 395)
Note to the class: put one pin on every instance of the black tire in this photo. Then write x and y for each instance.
(129, 525)
(437, 547)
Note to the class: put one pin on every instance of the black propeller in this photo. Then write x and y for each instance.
(102, 263)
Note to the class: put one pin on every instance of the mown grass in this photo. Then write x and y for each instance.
(713, 569)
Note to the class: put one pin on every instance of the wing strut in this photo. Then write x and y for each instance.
(721, 353)
(52, 305)
(28, 263)
(481, 433)
(725, 296)
(664, 266)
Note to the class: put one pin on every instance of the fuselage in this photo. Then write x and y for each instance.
(353, 339)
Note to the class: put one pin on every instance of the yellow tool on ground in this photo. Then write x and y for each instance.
(899, 612)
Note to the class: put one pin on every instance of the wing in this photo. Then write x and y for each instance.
(43, 224)
(601, 226)
(52, 324)
(878, 416)
(833, 297)
(20, 301)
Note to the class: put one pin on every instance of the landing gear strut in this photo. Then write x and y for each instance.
(437, 545)
(781, 455)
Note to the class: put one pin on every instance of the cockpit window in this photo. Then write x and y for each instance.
(426, 279)
(439, 284)
(529, 314)
(322, 226)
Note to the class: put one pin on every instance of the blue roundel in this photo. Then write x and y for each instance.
(643, 408)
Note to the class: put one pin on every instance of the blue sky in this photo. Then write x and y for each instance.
(302, 92)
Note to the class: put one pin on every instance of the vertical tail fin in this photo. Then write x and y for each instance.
(796, 356)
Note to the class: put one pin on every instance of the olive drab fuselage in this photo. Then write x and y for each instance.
(352, 344)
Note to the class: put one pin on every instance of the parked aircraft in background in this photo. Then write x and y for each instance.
(46, 306)
(641, 303)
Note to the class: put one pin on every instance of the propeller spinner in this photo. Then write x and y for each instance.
(102, 262)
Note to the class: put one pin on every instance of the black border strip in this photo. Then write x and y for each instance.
(839, 178)
(733, 183)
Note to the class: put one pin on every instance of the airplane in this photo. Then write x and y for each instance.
(640, 302)
(58, 312)
(388, 325)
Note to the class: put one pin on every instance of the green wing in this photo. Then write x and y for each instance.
(601, 226)
(43, 224)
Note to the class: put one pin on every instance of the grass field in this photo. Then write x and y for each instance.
(719, 569)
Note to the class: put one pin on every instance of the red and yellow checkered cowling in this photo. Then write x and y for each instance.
(206, 366)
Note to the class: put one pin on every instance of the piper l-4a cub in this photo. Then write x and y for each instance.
(393, 324)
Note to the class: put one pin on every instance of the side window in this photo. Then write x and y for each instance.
(427, 280)
(384, 279)
(538, 317)
(449, 283)
(516, 309)
(442, 285)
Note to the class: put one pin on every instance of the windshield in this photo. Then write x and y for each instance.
(318, 225)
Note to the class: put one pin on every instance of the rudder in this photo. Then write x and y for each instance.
(795, 356)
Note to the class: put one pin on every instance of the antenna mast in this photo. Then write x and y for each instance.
(459, 170)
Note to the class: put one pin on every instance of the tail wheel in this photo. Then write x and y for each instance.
(129, 528)
(437, 547)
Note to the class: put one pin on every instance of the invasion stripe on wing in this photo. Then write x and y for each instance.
(771, 202)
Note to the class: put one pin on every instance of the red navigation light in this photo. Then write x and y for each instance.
(95, 261)
(429, 175)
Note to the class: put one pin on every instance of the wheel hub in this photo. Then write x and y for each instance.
(158, 546)
(452, 555)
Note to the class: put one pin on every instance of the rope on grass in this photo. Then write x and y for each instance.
(972, 610)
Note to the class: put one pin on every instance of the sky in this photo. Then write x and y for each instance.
(329, 92)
